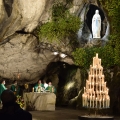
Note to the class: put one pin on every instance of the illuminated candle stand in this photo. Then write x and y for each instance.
(96, 93)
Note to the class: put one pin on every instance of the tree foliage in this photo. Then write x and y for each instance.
(113, 9)
(83, 56)
(62, 25)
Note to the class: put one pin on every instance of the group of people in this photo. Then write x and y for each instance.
(14, 87)
(41, 87)
(10, 109)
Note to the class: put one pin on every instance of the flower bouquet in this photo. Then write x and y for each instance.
(20, 101)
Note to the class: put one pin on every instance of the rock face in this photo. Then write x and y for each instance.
(19, 15)
(23, 57)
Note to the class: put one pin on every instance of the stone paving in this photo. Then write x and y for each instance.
(61, 114)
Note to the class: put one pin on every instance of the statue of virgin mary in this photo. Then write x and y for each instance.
(96, 25)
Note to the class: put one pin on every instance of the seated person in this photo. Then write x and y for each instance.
(10, 109)
(39, 87)
(15, 88)
(51, 88)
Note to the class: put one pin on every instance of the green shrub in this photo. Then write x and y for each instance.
(62, 24)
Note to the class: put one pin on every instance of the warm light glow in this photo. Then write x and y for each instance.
(63, 55)
(55, 53)
(69, 85)
(26, 86)
(95, 93)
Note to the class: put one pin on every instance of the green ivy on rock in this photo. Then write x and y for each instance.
(83, 57)
(62, 24)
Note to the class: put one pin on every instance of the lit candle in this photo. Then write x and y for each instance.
(100, 92)
(84, 89)
(90, 86)
(96, 86)
(33, 89)
(105, 84)
(96, 55)
(83, 100)
(100, 62)
(107, 91)
(86, 84)
(93, 79)
(103, 103)
(96, 102)
(102, 70)
(89, 78)
(93, 100)
(88, 96)
(102, 79)
(90, 100)
(108, 102)
(90, 69)
(87, 101)
(93, 86)
(99, 71)
(100, 103)
(93, 61)
(96, 70)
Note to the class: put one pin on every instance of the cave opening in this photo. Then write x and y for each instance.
(62, 75)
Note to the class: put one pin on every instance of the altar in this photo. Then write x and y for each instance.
(39, 101)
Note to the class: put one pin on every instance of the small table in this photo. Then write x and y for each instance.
(39, 101)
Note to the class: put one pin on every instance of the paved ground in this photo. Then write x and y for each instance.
(60, 114)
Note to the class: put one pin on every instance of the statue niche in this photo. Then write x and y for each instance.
(96, 25)
(89, 17)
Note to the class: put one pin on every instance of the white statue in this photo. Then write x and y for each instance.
(96, 25)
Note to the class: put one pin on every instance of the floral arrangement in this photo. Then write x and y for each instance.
(20, 101)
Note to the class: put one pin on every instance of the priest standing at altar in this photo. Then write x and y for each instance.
(39, 85)
(51, 88)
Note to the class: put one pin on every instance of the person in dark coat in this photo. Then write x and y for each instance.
(10, 109)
